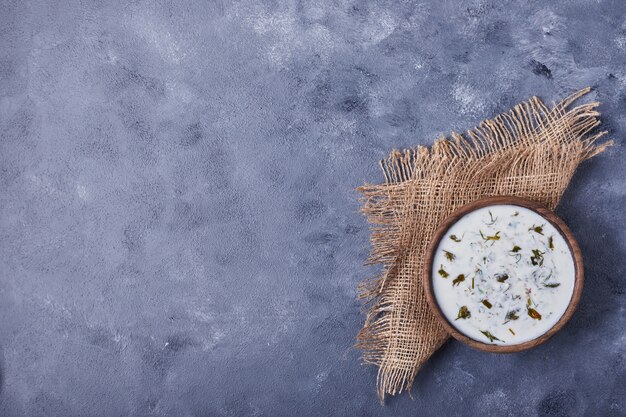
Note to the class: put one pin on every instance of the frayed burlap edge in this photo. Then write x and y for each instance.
(530, 151)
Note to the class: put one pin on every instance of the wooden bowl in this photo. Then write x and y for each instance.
(514, 201)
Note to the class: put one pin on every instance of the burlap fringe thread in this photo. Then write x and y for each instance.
(530, 151)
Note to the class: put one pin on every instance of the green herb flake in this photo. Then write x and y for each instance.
(456, 239)
(516, 249)
(443, 272)
(464, 313)
(537, 229)
(537, 258)
(534, 313)
(487, 304)
(490, 336)
(449, 255)
(552, 285)
(551, 242)
(511, 315)
(512, 332)
(472, 282)
(502, 277)
(492, 220)
(458, 280)
(488, 238)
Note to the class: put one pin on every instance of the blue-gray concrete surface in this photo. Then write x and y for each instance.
(179, 234)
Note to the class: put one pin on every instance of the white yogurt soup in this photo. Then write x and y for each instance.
(503, 275)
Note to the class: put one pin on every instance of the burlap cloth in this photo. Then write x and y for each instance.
(530, 151)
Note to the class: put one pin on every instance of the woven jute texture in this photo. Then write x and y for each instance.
(530, 151)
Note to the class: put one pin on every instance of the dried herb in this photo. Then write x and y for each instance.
(552, 285)
(537, 229)
(493, 221)
(443, 272)
(537, 258)
(456, 239)
(551, 243)
(516, 249)
(534, 313)
(502, 277)
(490, 336)
(464, 313)
(515, 214)
(472, 282)
(487, 304)
(511, 315)
(488, 238)
(512, 332)
(458, 280)
(449, 255)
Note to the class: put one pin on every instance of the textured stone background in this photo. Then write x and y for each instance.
(179, 230)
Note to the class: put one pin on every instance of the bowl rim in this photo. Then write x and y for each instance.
(538, 208)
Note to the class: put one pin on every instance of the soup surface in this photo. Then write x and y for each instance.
(503, 275)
